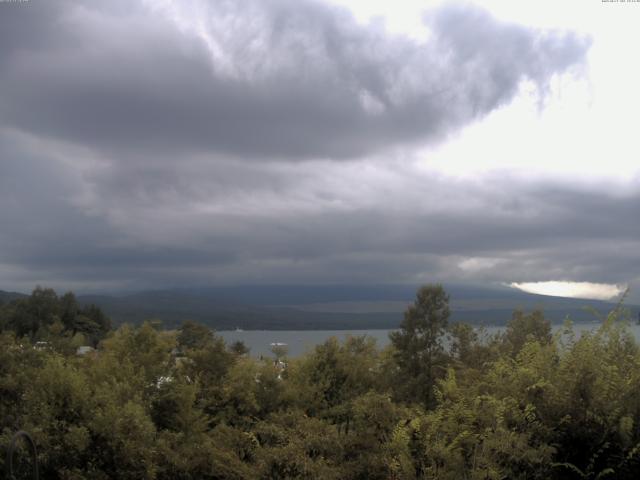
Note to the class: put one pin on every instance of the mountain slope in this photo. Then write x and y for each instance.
(326, 307)
(6, 297)
(329, 307)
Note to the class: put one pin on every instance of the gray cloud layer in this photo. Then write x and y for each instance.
(283, 79)
(250, 141)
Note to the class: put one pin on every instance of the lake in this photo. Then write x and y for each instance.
(301, 341)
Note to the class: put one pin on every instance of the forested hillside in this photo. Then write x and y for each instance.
(154, 404)
(328, 307)
(322, 307)
(6, 297)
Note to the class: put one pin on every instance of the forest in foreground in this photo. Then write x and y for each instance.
(442, 401)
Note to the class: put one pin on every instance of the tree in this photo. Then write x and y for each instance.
(279, 350)
(26, 316)
(208, 367)
(194, 336)
(239, 348)
(69, 310)
(93, 323)
(418, 344)
(523, 328)
(43, 305)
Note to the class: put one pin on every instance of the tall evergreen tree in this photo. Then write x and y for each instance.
(418, 343)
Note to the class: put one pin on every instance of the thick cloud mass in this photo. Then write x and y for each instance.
(150, 144)
(286, 79)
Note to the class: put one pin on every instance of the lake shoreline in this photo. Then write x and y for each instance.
(301, 341)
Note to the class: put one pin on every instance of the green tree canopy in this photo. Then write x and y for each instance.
(418, 343)
(193, 335)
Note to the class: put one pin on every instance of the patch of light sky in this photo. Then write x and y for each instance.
(598, 291)
(583, 132)
(585, 129)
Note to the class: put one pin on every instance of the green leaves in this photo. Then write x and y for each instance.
(419, 351)
(521, 405)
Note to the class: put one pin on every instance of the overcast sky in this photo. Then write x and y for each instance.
(152, 144)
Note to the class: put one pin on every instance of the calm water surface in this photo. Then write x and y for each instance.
(301, 341)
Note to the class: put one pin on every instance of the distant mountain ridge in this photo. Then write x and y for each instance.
(6, 297)
(287, 307)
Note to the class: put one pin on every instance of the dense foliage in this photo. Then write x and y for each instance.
(442, 401)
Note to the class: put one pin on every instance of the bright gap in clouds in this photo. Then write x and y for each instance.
(595, 291)
(585, 130)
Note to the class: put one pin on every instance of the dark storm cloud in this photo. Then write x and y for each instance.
(306, 229)
(139, 151)
(283, 79)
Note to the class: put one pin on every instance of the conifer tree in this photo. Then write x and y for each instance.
(418, 343)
